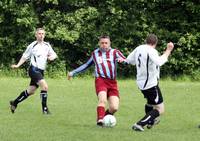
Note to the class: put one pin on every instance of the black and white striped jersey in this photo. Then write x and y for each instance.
(38, 54)
(148, 62)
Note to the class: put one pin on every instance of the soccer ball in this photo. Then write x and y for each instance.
(109, 121)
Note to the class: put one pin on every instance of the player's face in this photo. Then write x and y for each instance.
(40, 34)
(104, 43)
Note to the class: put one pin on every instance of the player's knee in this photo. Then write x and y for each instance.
(45, 87)
(161, 110)
(102, 102)
(114, 109)
(31, 92)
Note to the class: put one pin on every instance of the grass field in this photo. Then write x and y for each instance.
(73, 107)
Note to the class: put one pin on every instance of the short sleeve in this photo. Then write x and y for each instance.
(131, 58)
(51, 52)
(158, 60)
(27, 53)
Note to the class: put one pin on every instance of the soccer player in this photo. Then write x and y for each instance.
(148, 61)
(105, 60)
(38, 52)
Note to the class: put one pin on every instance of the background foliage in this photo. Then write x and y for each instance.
(73, 28)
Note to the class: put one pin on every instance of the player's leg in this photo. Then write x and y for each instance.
(101, 91)
(23, 95)
(160, 108)
(148, 108)
(113, 104)
(31, 89)
(154, 97)
(102, 100)
(149, 118)
(43, 94)
(37, 75)
(113, 97)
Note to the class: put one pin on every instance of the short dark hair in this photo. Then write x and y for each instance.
(104, 36)
(152, 39)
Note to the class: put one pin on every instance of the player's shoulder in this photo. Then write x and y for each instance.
(147, 48)
(152, 50)
(32, 44)
(115, 50)
(47, 44)
(141, 48)
(95, 51)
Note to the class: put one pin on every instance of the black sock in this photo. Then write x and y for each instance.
(108, 113)
(148, 118)
(43, 96)
(148, 108)
(21, 97)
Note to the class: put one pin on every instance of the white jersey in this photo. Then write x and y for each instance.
(38, 53)
(148, 62)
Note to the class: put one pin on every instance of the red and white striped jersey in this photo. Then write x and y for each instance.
(105, 63)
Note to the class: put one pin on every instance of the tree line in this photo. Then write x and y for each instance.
(73, 27)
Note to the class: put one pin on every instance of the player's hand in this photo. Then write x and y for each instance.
(69, 75)
(170, 46)
(120, 60)
(14, 66)
(50, 58)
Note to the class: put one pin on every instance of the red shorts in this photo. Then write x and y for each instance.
(107, 85)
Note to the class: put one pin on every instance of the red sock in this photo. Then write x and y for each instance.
(100, 112)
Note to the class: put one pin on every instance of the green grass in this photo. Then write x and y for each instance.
(73, 107)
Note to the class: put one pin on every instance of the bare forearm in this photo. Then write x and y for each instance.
(170, 47)
(21, 61)
(51, 58)
(167, 53)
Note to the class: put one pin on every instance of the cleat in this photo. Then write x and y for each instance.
(137, 127)
(100, 122)
(156, 121)
(46, 111)
(12, 107)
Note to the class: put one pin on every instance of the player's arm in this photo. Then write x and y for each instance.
(131, 58)
(26, 55)
(160, 60)
(170, 47)
(80, 69)
(120, 57)
(51, 55)
(21, 61)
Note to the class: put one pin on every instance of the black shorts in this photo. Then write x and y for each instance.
(153, 95)
(36, 75)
